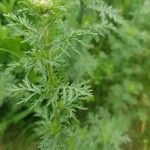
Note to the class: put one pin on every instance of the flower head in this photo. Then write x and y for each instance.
(43, 3)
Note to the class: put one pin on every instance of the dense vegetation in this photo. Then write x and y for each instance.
(74, 75)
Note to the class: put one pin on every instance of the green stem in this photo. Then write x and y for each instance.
(9, 51)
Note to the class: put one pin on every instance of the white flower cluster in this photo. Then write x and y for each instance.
(43, 3)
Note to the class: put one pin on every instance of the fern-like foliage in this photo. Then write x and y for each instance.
(66, 43)
(48, 89)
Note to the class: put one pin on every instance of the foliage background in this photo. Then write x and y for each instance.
(89, 89)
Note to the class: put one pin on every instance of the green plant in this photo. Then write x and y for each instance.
(79, 74)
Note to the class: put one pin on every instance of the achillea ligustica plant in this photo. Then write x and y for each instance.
(77, 80)
(53, 40)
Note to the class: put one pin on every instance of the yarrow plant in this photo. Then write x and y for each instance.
(77, 74)
(53, 41)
